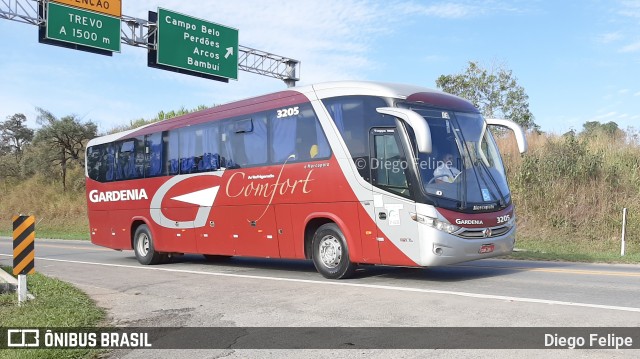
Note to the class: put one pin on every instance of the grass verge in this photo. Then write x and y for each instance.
(57, 304)
(576, 250)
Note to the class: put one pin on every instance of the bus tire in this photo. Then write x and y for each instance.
(330, 253)
(143, 246)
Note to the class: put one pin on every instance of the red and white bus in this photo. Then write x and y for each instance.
(342, 173)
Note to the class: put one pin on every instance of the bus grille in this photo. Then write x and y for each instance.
(479, 233)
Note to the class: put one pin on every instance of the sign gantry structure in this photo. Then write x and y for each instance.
(191, 45)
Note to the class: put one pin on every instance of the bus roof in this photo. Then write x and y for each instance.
(295, 96)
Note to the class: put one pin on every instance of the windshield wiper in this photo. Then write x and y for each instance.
(503, 200)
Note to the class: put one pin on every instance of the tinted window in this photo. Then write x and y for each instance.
(129, 160)
(311, 140)
(389, 165)
(355, 116)
(97, 162)
(110, 159)
(257, 139)
(283, 137)
(232, 145)
(154, 155)
(210, 148)
(172, 158)
(296, 131)
(190, 139)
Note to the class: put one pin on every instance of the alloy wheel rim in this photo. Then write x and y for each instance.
(330, 251)
(143, 244)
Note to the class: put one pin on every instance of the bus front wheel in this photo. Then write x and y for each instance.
(143, 246)
(330, 253)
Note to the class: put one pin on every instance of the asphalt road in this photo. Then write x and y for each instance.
(249, 292)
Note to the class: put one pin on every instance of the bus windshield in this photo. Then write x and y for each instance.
(465, 164)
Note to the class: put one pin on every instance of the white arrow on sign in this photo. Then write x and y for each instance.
(229, 52)
(202, 198)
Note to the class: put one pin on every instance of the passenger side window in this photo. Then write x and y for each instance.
(237, 136)
(190, 139)
(110, 159)
(283, 137)
(232, 143)
(129, 160)
(311, 142)
(211, 148)
(355, 116)
(171, 146)
(297, 131)
(96, 163)
(255, 141)
(154, 155)
(388, 168)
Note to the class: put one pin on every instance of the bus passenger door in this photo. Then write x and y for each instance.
(257, 230)
(174, 237)
(213, 237)
(397, 233)
(251, 229)
(286, 239)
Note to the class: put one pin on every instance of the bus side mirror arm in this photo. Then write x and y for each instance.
(417, 122)
(517, 131)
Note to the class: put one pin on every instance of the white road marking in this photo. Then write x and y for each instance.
(357, 285)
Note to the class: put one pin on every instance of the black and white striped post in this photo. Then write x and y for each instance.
(24, 236)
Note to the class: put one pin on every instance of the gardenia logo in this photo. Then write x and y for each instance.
(469, 221)
(96, 196)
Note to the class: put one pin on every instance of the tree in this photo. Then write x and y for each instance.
(66, 137)
(595, 128)
(160, 117)
(14, 135)
(495, 92)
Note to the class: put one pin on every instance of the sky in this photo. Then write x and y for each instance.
(578, 61)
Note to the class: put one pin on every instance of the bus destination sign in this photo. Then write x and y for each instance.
(196, 45)
(82, 27)
(107, 7)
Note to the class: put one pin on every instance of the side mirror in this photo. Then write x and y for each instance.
(417, 122)
(517, 131)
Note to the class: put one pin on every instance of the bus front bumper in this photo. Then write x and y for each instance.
(441, 248)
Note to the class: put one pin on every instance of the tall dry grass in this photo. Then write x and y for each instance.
(570, 190)
(58, 214)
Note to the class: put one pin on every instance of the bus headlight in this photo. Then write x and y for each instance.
(432, 222)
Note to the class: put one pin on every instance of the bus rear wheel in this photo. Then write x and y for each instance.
(143, 247)
(330, 253)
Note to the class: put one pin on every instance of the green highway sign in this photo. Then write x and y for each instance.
(196, 45)
(83, 27)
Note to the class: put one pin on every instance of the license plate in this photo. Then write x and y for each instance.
(486, 248)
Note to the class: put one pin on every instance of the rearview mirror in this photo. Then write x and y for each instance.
(517, 131)
(417, 122)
